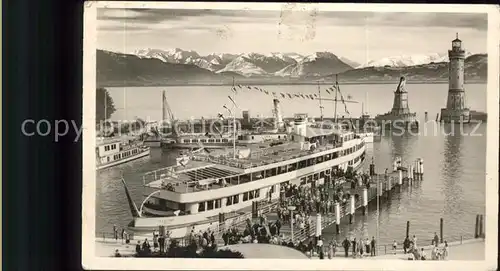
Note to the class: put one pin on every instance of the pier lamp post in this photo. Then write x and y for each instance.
(378, 211)
(291, 208)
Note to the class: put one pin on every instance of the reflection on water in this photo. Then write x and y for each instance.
(453, 188)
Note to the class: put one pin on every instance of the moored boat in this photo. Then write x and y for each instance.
(115, 151)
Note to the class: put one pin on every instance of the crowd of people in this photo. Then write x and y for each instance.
(307, 200)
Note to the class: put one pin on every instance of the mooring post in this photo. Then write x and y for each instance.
(352, 209)
(441, 229)
(337, 217)
(422, 167)
(400, 177)
(481, 226)
(365, 200)
(408, 228)
(476, 229)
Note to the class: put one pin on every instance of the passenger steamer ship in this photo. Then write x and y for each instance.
(193, 194)
(115, 151)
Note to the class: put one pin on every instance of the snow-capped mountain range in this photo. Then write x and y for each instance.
(409, 60)
(283, 64)
(160, 67)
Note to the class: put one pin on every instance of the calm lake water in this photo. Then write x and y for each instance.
(454, 184)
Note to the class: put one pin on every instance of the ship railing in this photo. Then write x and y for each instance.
(271, 156)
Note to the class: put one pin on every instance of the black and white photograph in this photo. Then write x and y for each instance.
(349, 135)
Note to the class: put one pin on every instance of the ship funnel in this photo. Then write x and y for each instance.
(131, 203)
(278, 119)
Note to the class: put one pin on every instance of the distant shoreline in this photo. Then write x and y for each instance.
(163, 84)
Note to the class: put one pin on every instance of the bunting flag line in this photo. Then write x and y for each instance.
(330, 90)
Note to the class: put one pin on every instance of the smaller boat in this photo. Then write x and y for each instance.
(115, 151)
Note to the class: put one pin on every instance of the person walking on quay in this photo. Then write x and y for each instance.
(127, 238)
(446, 250)
(394, 246)
(155, 242)
(354, 246)
(334, 245)
(330, 250)
(406, 244)
(161, 241)
(278, 226)
(346, 244)
(360, 246)
(435, 241)
(372, 249)
(367, 246)
(414, 240)
(115, 232)
(123, 235)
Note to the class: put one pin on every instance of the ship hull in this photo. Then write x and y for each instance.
(125, 160)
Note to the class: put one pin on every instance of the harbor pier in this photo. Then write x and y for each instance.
(380, 187)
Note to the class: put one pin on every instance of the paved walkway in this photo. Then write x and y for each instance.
(469, 250)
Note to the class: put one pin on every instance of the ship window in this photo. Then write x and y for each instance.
(335, 155)
(272, 189)
(210, 205)
(211, 141)
(250, 194)
(224, 140)
(328, 172)
(302, 181)
(322, 174)
(182, 207)
(217, 203)
(257, 176)
(257, 193)
(309, 179)
(108, 158)
(253, 137)
(217, 140)
(245, 196)
(292, 167)
(245, 178)
(203, 140)
(279, 137)
(271, 172)
(201, 206)
(236, 199)
(316, 176)
(229, 201)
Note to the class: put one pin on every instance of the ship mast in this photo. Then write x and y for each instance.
(234, 123)
(335, 104)
(320, 105)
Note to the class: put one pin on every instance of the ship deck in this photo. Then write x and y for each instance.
(258, 156)
(206, 171)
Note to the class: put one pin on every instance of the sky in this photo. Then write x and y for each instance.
(359, 36)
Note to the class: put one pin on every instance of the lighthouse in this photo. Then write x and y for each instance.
(455, 110)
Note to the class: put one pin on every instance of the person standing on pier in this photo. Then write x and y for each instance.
(123, 235)
(115, 232)
(360, 246)
(161, 241)
(354, 246)
(367, 246)
(406, 244)
(372, 249)
(445, 250)
(394, 246)
(414, 240)
(346, 244)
